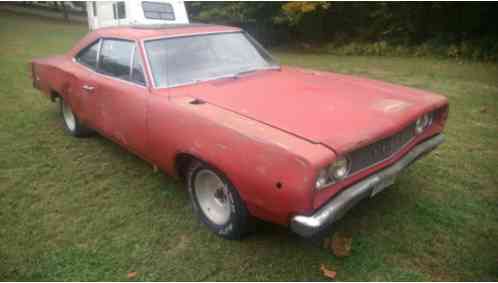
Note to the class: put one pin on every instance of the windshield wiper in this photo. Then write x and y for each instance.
(234, 76)
(247, 71)
(255, 70)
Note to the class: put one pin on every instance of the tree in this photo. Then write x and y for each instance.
(64, 11)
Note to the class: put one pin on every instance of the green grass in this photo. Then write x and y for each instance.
(85, 209)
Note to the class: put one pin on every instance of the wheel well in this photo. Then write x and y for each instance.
(54, 95)
(182, 161)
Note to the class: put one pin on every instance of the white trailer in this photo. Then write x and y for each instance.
(130, 12)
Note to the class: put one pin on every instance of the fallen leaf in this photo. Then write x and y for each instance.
(341, 244)
(327, 273)
(132, 274)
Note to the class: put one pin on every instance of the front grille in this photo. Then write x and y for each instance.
(380, 150)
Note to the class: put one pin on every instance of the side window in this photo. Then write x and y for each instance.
(115, 58)
(158, 11)
(119, 10)
(88, 56)
(137, 71)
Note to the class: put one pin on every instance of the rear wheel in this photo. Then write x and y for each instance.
(216, 201)
(71, 122)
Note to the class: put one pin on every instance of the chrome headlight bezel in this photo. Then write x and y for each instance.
(336, 171)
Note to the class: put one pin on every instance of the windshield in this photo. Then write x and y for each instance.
(183, 60)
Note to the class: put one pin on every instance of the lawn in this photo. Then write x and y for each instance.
(85, 209)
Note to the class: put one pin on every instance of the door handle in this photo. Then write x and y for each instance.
(88, 88)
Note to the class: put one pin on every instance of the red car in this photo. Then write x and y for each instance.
(251, 138)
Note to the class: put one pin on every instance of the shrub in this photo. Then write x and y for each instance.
(481, 50)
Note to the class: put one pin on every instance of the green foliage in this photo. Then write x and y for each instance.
(450, 30)
(236, 13)
(293, 12)
(482, 50)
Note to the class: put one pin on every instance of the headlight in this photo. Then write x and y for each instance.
(423, 123)
(340, 169)
(335, 172)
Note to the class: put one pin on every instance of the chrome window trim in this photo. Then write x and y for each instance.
(132, 57)
(98, 42)
(132, 61)
(142, 61)
(107, 76)
(188, 34)
(147, 69)
(250, 38)
(98, 61)
(98, 54)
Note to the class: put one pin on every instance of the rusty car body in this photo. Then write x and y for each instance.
(287, 145)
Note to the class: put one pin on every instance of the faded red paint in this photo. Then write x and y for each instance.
(259, 129)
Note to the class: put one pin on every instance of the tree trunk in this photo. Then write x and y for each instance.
(64, 11)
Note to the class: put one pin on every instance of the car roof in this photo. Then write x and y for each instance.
(137, 32)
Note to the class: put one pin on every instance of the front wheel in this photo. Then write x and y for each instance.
(216, 202)
(71, 122)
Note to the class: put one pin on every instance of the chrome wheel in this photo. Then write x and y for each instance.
(68, 116)
(212, 196)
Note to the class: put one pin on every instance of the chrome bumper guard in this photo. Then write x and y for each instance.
(336, 208)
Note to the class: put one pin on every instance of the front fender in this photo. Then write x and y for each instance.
(273, 171)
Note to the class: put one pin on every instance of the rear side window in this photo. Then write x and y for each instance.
(158, 11)
(115, 58)
(88, 56)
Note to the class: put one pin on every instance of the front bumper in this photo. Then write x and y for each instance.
(337, 207)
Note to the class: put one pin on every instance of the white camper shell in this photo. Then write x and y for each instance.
(131, 12)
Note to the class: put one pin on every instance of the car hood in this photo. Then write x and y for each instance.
(341, 112)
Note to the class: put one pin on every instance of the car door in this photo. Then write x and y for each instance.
(82, 87)
(122, 94)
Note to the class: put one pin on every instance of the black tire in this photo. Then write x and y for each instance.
(239, 222)
(72, 125)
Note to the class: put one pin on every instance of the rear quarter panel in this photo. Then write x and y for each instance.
(51, 74)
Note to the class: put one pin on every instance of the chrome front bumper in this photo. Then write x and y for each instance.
(337, 207)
